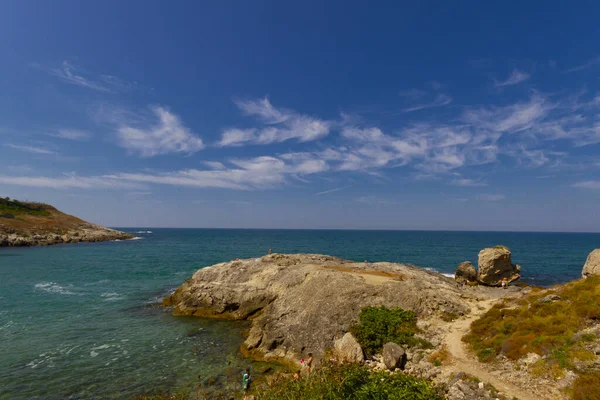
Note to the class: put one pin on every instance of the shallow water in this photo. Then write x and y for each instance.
(80, 321)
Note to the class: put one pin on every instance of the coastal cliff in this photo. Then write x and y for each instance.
(38, 224)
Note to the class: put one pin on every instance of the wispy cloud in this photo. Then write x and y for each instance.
(67, 181)
(515, 77)
(30, 149)
(467, 182)
(373, 200)
(594, 185)
(491, 197)
(69, 73)
(440, 100)
(279, 125)
(166, 134)
(331, 190)
(72, 134)
(586, 65)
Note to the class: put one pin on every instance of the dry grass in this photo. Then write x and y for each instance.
(546, 328)
(440, 357)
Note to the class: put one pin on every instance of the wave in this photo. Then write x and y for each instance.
(111, 296)
(441, 273)
(53, 287)
(144, 232)
(136, 238)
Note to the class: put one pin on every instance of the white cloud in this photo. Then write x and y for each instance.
(280, 125)
(467, 182)
(331, 190)
(214, 164)
(440, 100)
(594, 185)
(586, 65)
(30, 149)
(68, 73)
(66, 181)
(164, 136)
(72, 134)
(515, 77)
(491, 197)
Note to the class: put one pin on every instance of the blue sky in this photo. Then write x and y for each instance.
(469, 116)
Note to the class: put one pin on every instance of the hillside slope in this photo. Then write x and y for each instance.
(34, 224)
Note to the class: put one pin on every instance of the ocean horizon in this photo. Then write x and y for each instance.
(82, 321)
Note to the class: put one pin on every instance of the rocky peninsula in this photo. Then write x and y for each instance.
(38, 224)
(301, 303)
(467, 339)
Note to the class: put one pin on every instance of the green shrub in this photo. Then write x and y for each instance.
(349, 382)
(380, 325)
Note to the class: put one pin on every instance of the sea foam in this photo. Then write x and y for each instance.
(53, 287)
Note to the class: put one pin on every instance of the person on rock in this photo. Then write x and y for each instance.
(246, 380)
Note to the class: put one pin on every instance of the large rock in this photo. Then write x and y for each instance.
(300, 303)
(465, 272)
(495, 264)
(347, 349)
(393, 356)
(592, 264)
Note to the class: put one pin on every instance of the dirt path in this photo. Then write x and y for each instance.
(464, 361)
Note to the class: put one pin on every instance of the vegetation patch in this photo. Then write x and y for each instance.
(440, 357)
(347, 382)
(586, 387)
(380, 325)
(548, 329)
(15, 207)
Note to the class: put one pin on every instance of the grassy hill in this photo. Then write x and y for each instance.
(30, 223)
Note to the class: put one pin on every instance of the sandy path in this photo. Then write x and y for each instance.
(463, 360)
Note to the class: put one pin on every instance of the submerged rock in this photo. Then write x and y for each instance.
(592, 264)
(300, 303)
(465, 272)
(495, 264)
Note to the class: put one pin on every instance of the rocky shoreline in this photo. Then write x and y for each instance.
(97, 234)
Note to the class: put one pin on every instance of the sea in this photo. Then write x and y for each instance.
(83, 321)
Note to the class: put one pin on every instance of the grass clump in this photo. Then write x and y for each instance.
(548, 329)
(440, 357)
(380, 325)
(348, 382)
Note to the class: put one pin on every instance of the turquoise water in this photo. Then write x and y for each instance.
(81, 321)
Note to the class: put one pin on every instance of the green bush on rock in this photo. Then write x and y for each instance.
(380, 325)
(348, 382)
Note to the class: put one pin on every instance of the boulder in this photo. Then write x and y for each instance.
(347, 349)
(393, 356)
(465, 272)
(495, 264)
(592, 264)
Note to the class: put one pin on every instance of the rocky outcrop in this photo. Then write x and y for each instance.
(592, 264)
(347, 349)
(394, 356)
(465, 272)
(495, 264)
(302, 303)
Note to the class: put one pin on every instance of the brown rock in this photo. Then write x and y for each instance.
(592, 264)
(394, 356)
(495, 265)
(347, 349)
(466, 272)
